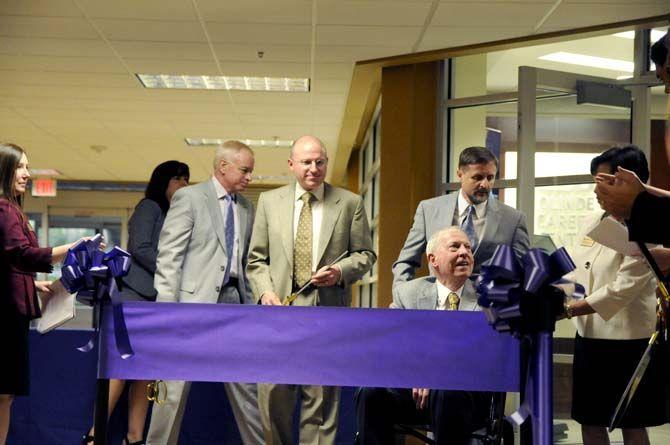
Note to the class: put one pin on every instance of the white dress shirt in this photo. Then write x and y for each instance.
(443, 293)
(479, 218)
(317, 217)
(221, 193)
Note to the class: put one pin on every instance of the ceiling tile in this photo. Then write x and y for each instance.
(366, 35)
(151, 30)
(271, 52)
(438, 37)
(99, 80)
(57, 8)
(57, 47)
(53, 27)
(338, 12)
(162, 50)
(481, 14)
(257, 11)
(259, 33)
(575, 15)
(144, 9)
(62, 64)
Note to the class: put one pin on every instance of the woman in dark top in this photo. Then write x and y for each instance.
(20, 258)
(144, 229)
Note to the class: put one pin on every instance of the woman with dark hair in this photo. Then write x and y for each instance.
(614, 323)
(144, 228)
(20, 258)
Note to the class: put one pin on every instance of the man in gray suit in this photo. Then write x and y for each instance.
(487, 221)
(300, 231)
(202, 255)
(453, 415)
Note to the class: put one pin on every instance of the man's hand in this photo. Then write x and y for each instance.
(420, 396)
(269, 298)
(616, 193)
(327, 276)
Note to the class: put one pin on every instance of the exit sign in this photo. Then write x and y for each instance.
(44, 187)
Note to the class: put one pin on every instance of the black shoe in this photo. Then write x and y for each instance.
(87, 439)
(128, 442)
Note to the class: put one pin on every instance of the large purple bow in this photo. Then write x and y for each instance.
(508, 289)
(95, 276)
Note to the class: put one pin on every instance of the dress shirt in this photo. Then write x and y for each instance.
(462, 212)
(317, 217)
(221, 193)
(442, 294)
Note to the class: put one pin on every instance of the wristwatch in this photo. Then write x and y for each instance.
(567, 310)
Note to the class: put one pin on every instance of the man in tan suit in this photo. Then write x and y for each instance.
(299, 232)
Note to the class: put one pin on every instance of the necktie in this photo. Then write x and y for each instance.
(468, 226)
(453, 301)
(302, 249)
(229, 231)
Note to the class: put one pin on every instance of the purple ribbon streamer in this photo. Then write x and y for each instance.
(94, 276)
(312, 345)
(502, 285)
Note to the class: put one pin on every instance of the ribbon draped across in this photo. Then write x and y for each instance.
(312, 345)
(95, 276)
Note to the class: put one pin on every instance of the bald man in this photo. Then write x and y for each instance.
(300, 231)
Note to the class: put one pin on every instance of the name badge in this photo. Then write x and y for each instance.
(587, 242)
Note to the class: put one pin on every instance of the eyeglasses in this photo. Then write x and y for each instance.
(319, 163)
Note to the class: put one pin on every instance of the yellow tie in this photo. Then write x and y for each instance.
(302, 249)
(453, 301)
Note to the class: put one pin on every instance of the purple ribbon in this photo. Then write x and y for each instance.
(503, 281)
(95, 277)
(510, 295)
(312, 345)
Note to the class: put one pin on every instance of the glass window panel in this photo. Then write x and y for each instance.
(378, 137)
(560, 211)
(497, 72)
(362, 168)
(373, 295)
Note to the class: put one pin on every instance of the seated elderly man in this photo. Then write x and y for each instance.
(452, 415)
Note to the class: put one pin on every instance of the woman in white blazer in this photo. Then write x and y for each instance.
(614, 323)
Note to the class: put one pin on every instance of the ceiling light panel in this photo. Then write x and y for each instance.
(590, 61)
(241, 83)
(257, 143)
(656, 34)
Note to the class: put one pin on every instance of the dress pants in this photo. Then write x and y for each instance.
(166, 418)
(452, 415)
(319, 408)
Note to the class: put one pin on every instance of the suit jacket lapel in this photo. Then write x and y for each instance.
(449, 209)
(286, 205)
(215, 213)
(331, 211)
(428, 298)
(492, 221)
(243, 215)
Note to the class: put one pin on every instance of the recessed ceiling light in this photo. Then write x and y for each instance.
(257, 143)
(655, 34)
(590, 61)
(242, 83)
(44, 172)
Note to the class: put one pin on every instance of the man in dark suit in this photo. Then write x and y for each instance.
(202, 254)
(452, 415)
(487, 221)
